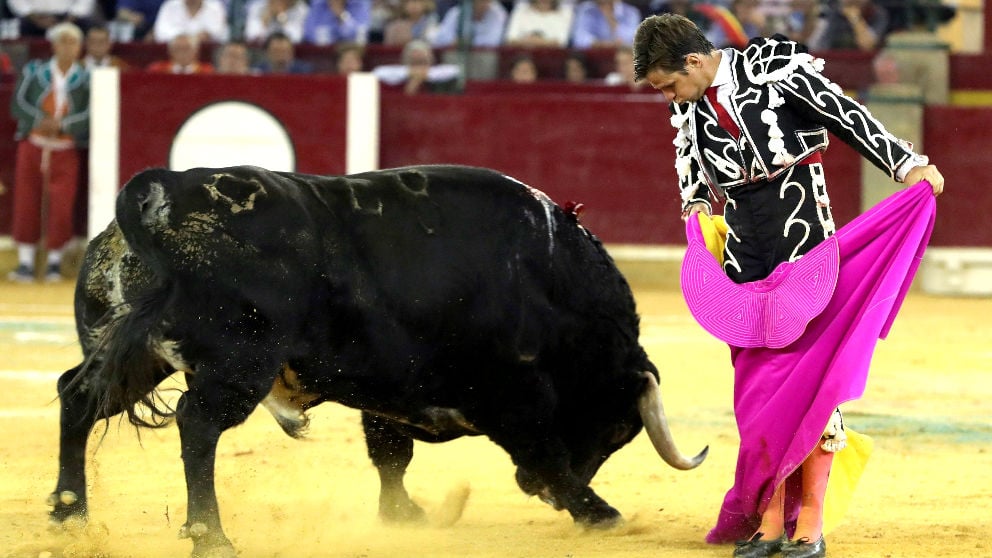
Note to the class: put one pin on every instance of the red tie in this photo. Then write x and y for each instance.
(726, 122)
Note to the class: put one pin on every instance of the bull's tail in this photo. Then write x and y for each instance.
(123, 370)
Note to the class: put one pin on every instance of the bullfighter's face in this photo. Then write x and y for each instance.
(687, 85)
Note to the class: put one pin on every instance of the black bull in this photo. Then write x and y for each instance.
(442, 301)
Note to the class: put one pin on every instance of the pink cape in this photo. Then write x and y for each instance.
(783, 397)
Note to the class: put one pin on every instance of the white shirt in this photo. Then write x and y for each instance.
(173, 20)
(395, 74)
(724, 85)
(525, 21)
(78, 8)
(255, 30)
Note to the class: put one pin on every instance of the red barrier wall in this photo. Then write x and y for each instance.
(957, 140)
(8, 154)
(155, 106)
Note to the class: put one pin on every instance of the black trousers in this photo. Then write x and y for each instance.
(771, 222)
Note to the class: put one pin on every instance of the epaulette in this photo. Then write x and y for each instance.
(773, 59)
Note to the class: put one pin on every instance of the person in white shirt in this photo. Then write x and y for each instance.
(207, 19)
(418, 72)
(38, 16)
(539, 23)
(486, 28)
(269, 16)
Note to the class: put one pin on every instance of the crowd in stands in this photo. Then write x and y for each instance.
(259, 36)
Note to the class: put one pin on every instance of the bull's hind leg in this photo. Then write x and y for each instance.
(77, 414)
(391, 452)
(213, 403)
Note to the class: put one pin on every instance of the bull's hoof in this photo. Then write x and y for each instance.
(402, 512)
(212, 547)
(600, 518)
(226, 551)
(207, 542)
(66, 507)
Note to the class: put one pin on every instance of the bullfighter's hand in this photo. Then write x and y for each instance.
(694, 209)
(928, 173)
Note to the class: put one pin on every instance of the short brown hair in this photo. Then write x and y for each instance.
(663, 41)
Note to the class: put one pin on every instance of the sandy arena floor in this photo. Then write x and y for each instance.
(927, 491)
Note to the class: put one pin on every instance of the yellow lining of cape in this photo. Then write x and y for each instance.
(849, 463)
(714, 231)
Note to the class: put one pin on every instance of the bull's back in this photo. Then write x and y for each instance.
(480, 249)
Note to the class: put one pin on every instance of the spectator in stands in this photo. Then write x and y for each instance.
(265, 17)
(849, 24)
(51, 106)
(350, 58)
(604, 23)
(207, 19)
(486, 30)
(98, 46)
(333, 21)
(539, 23)
(795, 19)
(418, 73)
(576, 67)
(733, 27)
(6, 66)
(417, 20)
(234, 58)
(184, 58)
(279, 57)
(523, 69)
(381, 13)
(685, 8)
(38, 16)
(140, 14)
(623, 70)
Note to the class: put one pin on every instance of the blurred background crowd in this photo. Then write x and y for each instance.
(262, 36)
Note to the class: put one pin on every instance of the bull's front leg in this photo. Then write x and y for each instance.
(77, 414)
(391, 452)
(551, 479)
(543, 460)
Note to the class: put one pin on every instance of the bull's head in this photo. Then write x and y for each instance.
(600, 429)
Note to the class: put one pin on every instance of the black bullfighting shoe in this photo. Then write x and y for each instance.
(802, 548)
(755, 547)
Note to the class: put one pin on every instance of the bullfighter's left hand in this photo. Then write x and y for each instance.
(928, 173)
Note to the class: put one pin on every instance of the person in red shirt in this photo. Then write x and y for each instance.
(184, 58)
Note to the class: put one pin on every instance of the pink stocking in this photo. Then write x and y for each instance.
(773, 519)
(815, 472)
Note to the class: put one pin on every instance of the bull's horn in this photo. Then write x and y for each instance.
(653, 415)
